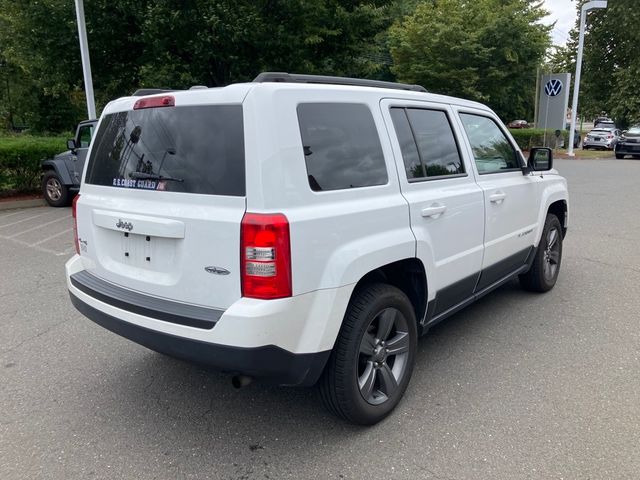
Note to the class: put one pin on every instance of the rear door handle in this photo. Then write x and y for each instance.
(497, 197)
(433, 211)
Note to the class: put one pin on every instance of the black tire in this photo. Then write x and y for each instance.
(619, 156)
(358, 362)
(55, 192)
(543, 274)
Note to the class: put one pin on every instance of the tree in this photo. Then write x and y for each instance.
(611, 65)
(218, 42)
(177, 44)
(484, 50)
(40, 40)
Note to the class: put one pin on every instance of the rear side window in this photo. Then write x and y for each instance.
(341, 146)
(198, 149)
(428, 145)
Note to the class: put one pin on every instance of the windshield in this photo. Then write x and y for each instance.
(197, 149)
(635, 130)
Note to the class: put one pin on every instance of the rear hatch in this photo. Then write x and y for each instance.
(598, 135)
(163, 198)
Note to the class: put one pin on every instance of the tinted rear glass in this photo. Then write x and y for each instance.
(197, 149)
(341, 146)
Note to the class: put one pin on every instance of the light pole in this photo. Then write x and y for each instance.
(86, 62)
(576, 86)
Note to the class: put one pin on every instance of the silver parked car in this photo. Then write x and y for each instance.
(602, 138)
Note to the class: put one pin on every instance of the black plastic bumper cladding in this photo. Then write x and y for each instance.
(269, 363)
(153, 307)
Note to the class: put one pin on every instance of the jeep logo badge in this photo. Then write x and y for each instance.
(124, 225)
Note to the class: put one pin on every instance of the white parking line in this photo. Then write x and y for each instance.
(39, 248)
(69, 250)
(23, 220)
(37, 227)
(64, 232)
(11, 214)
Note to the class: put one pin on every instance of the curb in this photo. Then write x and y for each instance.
(13, 204)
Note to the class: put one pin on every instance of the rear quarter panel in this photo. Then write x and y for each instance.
(336, 236)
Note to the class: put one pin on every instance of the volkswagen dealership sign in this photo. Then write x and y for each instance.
(554, 100)
(553, 87)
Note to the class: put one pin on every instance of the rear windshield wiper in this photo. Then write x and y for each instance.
(153, 176)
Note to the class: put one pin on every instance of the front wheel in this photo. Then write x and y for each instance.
(543, 274)
(619, 156)
(54, 191)
(372, 361)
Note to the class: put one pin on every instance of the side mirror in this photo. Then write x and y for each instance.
(540, 159)
(71, 144)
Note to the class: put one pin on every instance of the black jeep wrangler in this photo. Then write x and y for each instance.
(61, 174)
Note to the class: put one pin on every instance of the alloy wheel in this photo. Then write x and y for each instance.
(551, 254)
(54, 189)
(383, 356)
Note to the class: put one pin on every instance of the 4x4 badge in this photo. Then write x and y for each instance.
(124, 225)
(217, 270)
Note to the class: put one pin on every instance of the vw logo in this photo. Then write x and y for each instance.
(553, 87)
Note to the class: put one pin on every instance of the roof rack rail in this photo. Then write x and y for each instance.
(298, 78)
(141, 92)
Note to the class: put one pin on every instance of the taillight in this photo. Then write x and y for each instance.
(265, 256)
(154, 102)
(75, 223)
(609, 136)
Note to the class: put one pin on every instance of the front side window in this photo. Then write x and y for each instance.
(341, 146)
(428, 145)
(492, 150)
(84, 135)
(190, 149)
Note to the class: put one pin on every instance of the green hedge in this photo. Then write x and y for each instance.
(20, 158)
(535, 137)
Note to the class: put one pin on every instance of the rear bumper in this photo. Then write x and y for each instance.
(285, 341)
(270, 363)
(628, 148)
(594, 144)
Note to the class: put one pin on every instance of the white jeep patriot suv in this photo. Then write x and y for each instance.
(304, 229)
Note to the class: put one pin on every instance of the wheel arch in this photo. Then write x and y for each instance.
(409, 276)
(60, 170)
(559, 208)
(554, 200)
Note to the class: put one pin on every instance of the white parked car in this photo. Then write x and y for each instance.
(602, 138)
(303, 229)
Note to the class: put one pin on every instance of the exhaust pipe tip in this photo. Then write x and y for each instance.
(240, 381)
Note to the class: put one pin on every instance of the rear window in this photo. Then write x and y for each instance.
(197, 149)
(341, 146)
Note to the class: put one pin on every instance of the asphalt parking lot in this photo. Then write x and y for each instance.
(517, 386)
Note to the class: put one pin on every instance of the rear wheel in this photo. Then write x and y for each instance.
(543, 273)
(372, 360)
(54, 191)
(619, 156)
